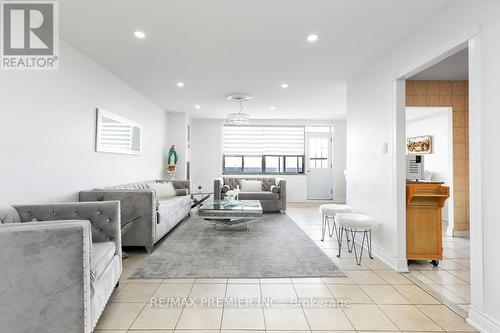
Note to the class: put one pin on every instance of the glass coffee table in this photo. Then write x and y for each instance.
(229, 214)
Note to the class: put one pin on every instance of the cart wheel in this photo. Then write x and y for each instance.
(435, 262)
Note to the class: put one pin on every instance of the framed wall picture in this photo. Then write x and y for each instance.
(115, 134)
(419, 145)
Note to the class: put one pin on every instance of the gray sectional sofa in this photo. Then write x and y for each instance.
(156, 217)
(272, 197)
(59, 268)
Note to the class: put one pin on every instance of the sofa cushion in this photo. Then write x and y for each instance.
(163, 190)
(250, 185)
(102, 254)
(264, 195)
(172, 202)
(170, 213)
(232, 182)
(173, 207)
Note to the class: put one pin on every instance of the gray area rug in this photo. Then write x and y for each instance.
(275, 247)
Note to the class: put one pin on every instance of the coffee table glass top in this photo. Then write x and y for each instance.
(235, 208)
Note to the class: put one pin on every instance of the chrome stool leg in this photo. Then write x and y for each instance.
(358, 261)
(370, 244)
(333, 229)
(328, 225)
(323, 227)
(339, 239)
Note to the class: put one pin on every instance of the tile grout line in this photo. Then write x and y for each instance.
(183, 308)
(262, 308)
(142, 309)
(301, 307)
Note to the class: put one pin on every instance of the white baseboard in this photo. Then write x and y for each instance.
(482, 322)
(399, 265)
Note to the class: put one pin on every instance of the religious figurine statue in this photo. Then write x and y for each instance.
(172, 162)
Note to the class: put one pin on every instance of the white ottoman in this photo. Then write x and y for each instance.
(353, 224)
(328, 212)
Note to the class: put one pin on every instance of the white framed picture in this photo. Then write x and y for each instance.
(115, 134)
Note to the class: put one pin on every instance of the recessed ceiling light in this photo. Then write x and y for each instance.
(197, 107)
(284, 85)
(139, 34)
(312, 38)
(272, 108)
(180, 84)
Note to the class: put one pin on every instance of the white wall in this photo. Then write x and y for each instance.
(177, 135)
(371, 121)
(437, 123)
(206, 155)
(47, 131)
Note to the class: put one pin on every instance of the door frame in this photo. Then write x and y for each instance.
(330, 160)
(472, 40)
(448, 112)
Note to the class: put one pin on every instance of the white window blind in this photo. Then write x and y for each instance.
(263, 140)
(117, 135)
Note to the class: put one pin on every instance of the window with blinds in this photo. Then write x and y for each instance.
(115, 134)
(263, 149)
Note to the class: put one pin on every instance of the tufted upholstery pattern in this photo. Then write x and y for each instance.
(181, 186)
(104, 217)
(144, 185)
(68, 263)
(139, 201)
(232, 182)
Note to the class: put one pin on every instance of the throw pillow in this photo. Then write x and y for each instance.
(275, 189)
(250, 185)
(163, 190)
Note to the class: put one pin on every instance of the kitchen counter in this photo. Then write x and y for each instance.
(424, 182)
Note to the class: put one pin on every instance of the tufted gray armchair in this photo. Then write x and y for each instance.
(60, 264)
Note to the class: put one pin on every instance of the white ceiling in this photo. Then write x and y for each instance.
(455, 67)
(218, 47)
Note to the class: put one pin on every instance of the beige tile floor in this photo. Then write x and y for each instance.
(451, 279)
(380, 299)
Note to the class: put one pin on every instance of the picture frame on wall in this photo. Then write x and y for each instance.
(419, 145)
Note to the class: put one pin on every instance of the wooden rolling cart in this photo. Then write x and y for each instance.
(424, 228)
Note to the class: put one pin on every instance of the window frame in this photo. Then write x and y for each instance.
(300, 166)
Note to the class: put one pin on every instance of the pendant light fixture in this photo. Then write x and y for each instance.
(238, 118)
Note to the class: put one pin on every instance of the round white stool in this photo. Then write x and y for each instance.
(328, 212)
(356, 223)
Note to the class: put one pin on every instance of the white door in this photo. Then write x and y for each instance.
(319, 166)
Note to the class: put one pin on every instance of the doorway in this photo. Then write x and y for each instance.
(451, 280)
(319, 166)
(437, 124)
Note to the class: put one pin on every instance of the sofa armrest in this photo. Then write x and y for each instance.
(45, 270)
(182, 187)
(218, 183)
(282, 191)
(137, 204)
(104, 217)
